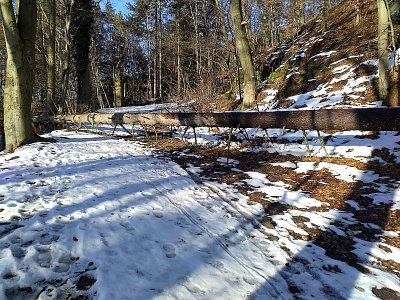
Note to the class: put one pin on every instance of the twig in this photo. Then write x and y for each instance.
(115, 127)
(229, 144)
(125, 129)
(307, 144)
(195, 136)
(155, 132)
(321, 140)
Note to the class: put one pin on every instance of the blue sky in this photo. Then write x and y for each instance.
(119, 5)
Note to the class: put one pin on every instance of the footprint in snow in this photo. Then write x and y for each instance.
(20, 293)
(44, 259)
(10, 276)
(217, 264)
(158, 214)
(61, 268)
(47, 239)
(15, 239)
(66, 258)
(196, 231)
(182, 222)
(192, 287)
(105, 239)
(251, 280)
(42, 248)
(169, 250)
(58, 227)
(128, 226)
(18, 252)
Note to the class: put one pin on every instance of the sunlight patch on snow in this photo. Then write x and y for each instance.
(278, 191)
(341, 69)
(139, 225)
(322, 54)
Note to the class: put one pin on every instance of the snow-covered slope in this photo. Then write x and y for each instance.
(331, 63)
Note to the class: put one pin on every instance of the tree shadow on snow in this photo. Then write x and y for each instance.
(60, 225)
(335, 257)
(33, 236)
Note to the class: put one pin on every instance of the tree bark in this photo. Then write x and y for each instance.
(244, 53)
(325, 14)
(374, 119)
(159, 36)
(150, 94)
(20, 30)
(118, 101)
(66, 57)
(394, 94)
(51, 59)
(383, 53)
(178, 62)
(84, 87)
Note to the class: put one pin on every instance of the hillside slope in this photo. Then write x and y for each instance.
(324, 68)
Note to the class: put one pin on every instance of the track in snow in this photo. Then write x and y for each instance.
(105, 218)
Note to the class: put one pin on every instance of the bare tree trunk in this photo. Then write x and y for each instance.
(118, 101)
(19, 30)
(51, 59)
(302, 13)
(325, 14)
(155, 74)
(155, 56)
(394, 74)
(358, 12)
(394, 94)
(178, 67)
(244, 53)
(195, 17)
(383, 53)
(66, 57)
(228, 45)
(222, 21)
(375, 119)
(149, 89)
(84, 87)
(160, 93)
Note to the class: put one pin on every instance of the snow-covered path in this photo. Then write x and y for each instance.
(106, 218)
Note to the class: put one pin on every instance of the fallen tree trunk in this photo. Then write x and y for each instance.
(371, 119)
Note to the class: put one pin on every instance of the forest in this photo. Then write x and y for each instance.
(158, 51)
(200, 149)
(88, 58)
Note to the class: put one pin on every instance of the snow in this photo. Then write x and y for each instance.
(279, 190)
(322, 54)
(136, 223)
(144, 229)
(327, 95)
(342, 172)
(341, 69)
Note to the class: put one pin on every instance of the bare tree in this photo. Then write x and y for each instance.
(244, 53)
(19, 31)
(51, 59)
(383, 52)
